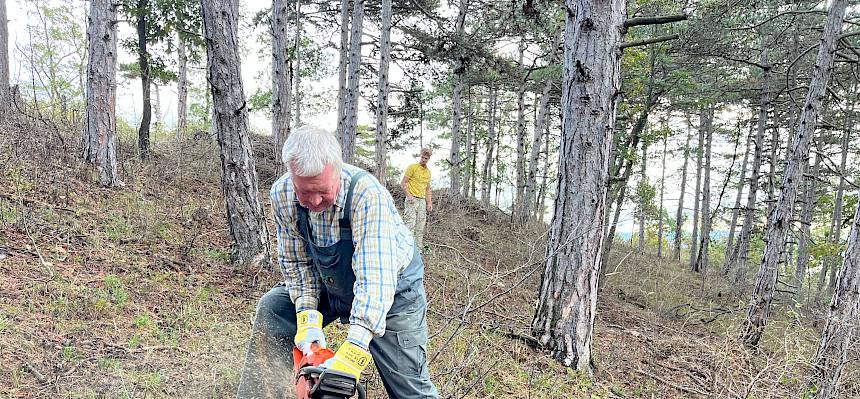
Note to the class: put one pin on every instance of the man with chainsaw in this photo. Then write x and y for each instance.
(345, 254)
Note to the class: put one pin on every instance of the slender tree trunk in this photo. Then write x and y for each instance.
(459, 71)
(245, 217)
(98, 144)
(467, 180)
(619, 205)
(182, 88)
(564, 320)
(703, 258)
(491, 145)
(519, 208)
(660, 208)
(740, 257)
(809, 198)
(778, 220)
(350, 114)
(544, 184)
(281, 80)
(774, 160)
(642, 203)
(697, 195)
(382, 98)
(343, 61)
(5, 91)
(297, 75)
(736, 208)
(838, 336)
(679, 215)
(143, 62)
(836, 222)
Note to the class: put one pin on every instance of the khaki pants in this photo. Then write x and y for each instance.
(415, 217)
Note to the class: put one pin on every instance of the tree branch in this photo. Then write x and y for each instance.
(665, 19)
(652, 40)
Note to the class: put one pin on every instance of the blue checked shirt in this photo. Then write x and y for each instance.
(383, 249)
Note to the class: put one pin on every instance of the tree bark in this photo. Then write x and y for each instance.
(521, 142)
(143, 62)
(564, 320)
(838, 336)
(797, 159)
(5, 91)
(740, 255)
(282, 74)
(679, 215)
(487, 181)
(809, 198)
(703, 255)
(245, 217)
(660, 207)
(540, 206)
(350, 114)
(182, 88)
(297, 74)
(469, 156)
(98, 144)
(342, 63)
(836, 222)
(459, 71)
(382, 98)
(697, 196)
(736, 208)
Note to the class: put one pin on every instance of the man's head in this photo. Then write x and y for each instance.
(425, 156)
(313, 158)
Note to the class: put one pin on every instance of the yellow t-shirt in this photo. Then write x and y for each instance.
(419, 178)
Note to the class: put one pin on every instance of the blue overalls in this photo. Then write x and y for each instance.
(400, 354)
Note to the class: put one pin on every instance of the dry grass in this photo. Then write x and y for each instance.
(128, 293)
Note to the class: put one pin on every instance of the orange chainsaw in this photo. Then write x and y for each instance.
(315, 382)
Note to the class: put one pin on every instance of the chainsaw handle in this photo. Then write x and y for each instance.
(359, 389)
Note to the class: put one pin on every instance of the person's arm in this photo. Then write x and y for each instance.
(375, 263)
(428, 197)
(404, 183)
(300, 277)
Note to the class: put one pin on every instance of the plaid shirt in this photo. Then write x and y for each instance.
(383, 249)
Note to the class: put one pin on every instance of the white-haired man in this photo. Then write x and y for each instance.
(345, 254)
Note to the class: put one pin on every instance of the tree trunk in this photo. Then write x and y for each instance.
(143, 62)
(459, 71)
(660, 207)
(182, 88)
(740, 255)
(342, 63)
(5, 92)
(487, 182)
(809, 198)
(245, 217)
(736, 208)
(469, 172)
(703, 258)
(774, 160)
(697, 195)
(619, 205)
(540, 207)
(282, 87)
(297, 74)
(642, 203)
(838, 336)
(520, 166)
(564, 320)
(797, 159)
(98, 143)
(679, 215)
(836, 222)
(382, 98)
(350, 114)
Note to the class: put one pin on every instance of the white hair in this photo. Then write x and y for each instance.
(309, 149)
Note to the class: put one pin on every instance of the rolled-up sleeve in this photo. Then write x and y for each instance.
(374, 263)
(300, 277)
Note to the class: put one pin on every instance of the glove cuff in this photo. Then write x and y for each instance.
(350, 358)
(309, 318)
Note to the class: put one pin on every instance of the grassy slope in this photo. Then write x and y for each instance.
(128, 293)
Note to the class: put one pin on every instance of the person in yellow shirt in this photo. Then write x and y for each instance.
(419, 199)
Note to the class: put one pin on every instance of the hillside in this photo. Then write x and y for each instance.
(127, 293)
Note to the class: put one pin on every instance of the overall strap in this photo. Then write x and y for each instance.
(347, 212)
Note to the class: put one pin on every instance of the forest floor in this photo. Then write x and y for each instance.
(129, 293)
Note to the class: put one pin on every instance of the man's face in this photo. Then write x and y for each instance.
(424, 158)
(317, 193)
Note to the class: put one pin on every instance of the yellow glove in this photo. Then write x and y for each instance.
(350, 359)
(309, 330)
